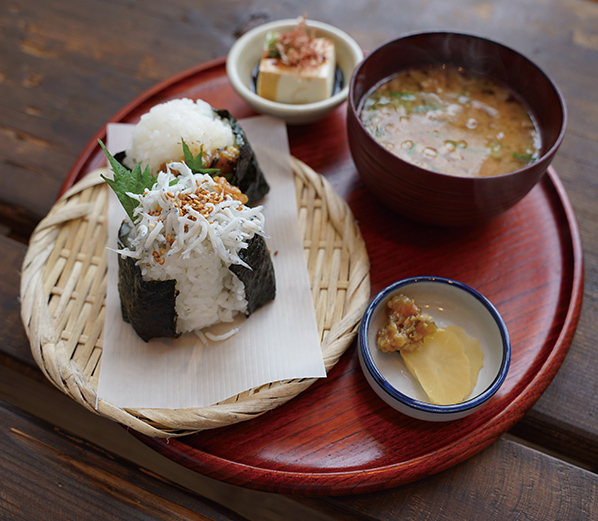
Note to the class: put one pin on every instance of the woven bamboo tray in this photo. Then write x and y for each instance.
(63, 293)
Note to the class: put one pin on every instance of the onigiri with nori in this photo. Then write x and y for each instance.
(215, 134)
(191, 251)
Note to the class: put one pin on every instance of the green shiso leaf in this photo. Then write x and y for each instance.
(196, 163)
(127, 181)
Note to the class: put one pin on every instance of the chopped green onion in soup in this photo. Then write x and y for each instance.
(446, 120)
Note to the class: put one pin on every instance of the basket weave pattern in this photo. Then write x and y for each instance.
(63, 293)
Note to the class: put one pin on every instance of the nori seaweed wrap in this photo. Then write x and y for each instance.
(259, 281)
(149, 306)
(248, 176)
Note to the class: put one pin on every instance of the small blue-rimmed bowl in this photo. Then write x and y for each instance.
(449, 303)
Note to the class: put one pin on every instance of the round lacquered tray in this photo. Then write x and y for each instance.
(338, 437)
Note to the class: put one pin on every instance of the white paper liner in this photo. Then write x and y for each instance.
(278, 342)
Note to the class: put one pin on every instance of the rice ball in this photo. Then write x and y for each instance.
(157, 138)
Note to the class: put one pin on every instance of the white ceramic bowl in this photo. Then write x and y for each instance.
(449, 303)
(247, 51)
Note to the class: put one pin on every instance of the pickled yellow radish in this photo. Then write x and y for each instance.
(446, 365)
(472, 350)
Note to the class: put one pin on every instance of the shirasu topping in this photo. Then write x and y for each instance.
(185, 214)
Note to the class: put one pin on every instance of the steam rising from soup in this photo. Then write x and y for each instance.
(443, 119)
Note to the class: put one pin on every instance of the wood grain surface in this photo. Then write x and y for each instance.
(77, 478)
(68, 66)
(519, 483)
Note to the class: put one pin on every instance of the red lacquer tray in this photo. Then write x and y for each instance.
(338, 437)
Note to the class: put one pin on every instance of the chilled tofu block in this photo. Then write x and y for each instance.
(306, 82)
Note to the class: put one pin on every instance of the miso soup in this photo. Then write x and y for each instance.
(444, 119)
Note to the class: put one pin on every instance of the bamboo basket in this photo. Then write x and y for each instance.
(63, 293)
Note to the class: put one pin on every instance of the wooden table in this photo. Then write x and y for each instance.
(67, 66)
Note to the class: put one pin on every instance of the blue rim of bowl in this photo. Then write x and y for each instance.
(418, 405)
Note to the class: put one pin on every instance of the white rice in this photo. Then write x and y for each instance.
(157, 137)
(199, 251)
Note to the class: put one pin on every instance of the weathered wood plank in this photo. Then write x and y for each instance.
(506, 481)
(13, 340)
(47, 474)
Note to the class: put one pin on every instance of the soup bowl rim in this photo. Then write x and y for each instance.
(355, 106)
